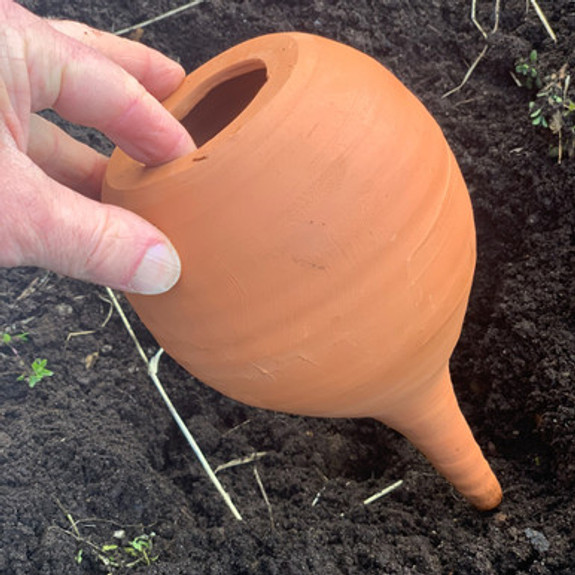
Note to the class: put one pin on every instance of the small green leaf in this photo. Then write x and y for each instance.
(140, 543)
(539, 120)
(33, 380)
(131, 552)
(38, 372)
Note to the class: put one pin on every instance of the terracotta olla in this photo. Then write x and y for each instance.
(327, 243)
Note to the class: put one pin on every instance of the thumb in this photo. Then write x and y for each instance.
(46, 224)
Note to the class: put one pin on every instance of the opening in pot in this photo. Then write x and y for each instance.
(223, 103)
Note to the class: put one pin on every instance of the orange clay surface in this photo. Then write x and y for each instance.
(327, 242)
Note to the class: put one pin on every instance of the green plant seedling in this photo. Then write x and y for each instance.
(537, 116)
(552, 105)
(8, 339)
(136, 552)
(141, 548)
(38, 371)
(526, 70)
(116, 556)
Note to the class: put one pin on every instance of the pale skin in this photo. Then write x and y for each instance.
(50, 213)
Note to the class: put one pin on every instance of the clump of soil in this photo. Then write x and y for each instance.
(90, 458)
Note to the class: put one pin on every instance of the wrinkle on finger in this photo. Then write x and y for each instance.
(14, 86)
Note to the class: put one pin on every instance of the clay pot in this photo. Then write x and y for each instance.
(327, 243)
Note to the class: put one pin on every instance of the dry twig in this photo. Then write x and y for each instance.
(257, 455)
(383, 492)
(544, 20)
(496, 19)
(468, 73)
(152, 366)
(163, 16)
(474, 18)
(265, 496)
(79, 334)
(485, 35)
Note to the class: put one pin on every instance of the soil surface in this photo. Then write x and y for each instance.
(91, 459)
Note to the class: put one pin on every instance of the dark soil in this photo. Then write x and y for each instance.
(92, 450)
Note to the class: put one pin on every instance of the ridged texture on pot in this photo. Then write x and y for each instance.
(327, 242)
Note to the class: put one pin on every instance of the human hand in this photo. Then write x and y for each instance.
(50, 184)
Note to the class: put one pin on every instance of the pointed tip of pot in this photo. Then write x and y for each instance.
(433, 423)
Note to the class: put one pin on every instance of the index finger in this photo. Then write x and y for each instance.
(87, 88)
(157, 73)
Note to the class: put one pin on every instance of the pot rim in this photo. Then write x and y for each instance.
(275, 53)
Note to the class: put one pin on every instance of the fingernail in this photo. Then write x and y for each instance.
(159, 270)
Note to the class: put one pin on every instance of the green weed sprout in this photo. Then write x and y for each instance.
(38, 371)
(33, 373)
(552, 105)
(8, 339)
(136, 552)
(117, 556)
(527, 73)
